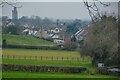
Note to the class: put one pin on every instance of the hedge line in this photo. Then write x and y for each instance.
(38, 68)
(105, 71)
(35, 47)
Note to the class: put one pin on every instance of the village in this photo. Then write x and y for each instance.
(59, 40)
(55, 32)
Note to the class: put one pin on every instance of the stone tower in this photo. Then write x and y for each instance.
(14, 13)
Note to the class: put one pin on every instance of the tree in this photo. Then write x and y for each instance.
(12, 4)
(69, 45)
(93, 9)
(101, 42)
(71, 29)
(73, 39)
(11, 29)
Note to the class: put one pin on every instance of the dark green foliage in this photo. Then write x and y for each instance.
(11, 29)
(38, 68)
(34, 47)
(4, 43)
(71, 29)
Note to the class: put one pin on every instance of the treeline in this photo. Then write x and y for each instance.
(37, 21)
(58, 47)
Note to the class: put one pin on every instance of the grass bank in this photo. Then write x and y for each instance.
(26, 40)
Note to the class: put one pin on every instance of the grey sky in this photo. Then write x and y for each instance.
(61, 10)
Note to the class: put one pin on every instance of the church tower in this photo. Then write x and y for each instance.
(14, 13)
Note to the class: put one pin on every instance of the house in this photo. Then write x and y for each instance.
(10, 24)
(41, 34)
(30, 32)
(55, 36)
(81, 34)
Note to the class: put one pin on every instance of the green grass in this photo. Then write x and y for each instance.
(50, 75)
(49, 53)
(26, 40)
(0, 39)
(44, 53)
(47, 62)
(55, 53)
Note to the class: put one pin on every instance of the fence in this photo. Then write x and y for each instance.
(87, 59)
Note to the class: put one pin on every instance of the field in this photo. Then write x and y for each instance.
(32, 52)
(29, 52)
(60, 58)
(26, 40)
(48, 62)
(53, 75)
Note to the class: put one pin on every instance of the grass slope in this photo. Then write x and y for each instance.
(25, 40)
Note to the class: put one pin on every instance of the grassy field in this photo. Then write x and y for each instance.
(26, 40)
(52, 75)
(44, 53)
(17, 53)
(55, 53)
(47, 62)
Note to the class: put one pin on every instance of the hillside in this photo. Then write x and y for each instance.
(26, 40)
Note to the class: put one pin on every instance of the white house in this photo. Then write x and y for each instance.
(30, 32)
(42, 34)
(56, 30)
(55, 36)
(80, 34)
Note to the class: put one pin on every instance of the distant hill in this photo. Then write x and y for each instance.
(26, 40)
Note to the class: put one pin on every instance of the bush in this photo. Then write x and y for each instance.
(38, 68)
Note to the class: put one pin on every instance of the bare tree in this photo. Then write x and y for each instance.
(93, 9)
(12, 4)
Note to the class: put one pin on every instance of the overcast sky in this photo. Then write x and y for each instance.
(57, 10)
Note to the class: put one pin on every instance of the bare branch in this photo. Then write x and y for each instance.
(9, 3)
(93, 9)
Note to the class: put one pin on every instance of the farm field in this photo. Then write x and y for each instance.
(54, 62)
(53, 75)
(47, 62)
(43, 53)
(27, 56)
(26, 40)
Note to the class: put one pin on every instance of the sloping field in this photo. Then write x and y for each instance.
(26, 40)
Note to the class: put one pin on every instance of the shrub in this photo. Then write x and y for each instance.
(38, 68)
